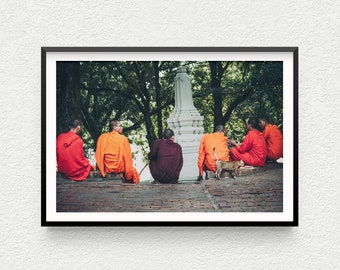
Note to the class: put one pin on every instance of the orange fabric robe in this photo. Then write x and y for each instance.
(70, 157)
(206, 157)
(252, 150)
(274, 141)
(113, 155)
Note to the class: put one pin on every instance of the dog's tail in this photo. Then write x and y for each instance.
(215, 154)
(217, 172)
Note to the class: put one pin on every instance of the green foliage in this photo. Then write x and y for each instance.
(141, 95)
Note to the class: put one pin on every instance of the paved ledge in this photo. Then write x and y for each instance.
(258, 191)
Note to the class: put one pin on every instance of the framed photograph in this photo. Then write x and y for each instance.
(153, 97)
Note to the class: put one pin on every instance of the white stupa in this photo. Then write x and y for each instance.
(187, 124)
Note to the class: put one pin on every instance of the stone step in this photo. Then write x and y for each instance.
(248, 170)
(95, 176)
(242, 171)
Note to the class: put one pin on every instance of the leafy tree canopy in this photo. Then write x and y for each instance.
(141, 95)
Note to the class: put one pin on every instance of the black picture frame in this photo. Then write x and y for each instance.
(49, 56)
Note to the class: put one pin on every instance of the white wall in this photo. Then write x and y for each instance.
(25, 26)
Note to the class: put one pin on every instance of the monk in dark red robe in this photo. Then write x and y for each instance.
(113, 154)
(166, 160)
(273, 137)
(253, 149)
(70, 154)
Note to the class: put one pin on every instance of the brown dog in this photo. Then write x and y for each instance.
(229, 166)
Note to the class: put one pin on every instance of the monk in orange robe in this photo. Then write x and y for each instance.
(253, 149)
(273, 138)
(70, 154)
(206, 157)
(113, 154)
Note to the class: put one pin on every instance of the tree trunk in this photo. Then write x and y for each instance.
(158, 100)
(216, 75)
(68, 94)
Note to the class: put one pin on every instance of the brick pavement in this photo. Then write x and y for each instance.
(257, 191)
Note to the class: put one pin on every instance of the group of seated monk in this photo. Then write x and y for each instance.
(256, 148)
(113, 153)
